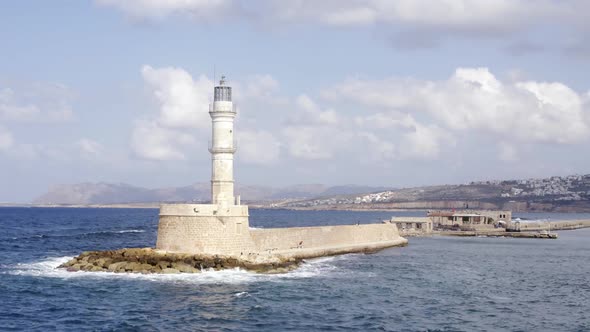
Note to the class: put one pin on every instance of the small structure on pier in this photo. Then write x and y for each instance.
(412, 225)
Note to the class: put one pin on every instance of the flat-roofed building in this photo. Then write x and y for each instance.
(412, 225)
(443, 219)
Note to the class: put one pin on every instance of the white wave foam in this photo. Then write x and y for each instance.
(525, 221)
(130, 231)
(242, 294)
(48, 269)
(116, 232)
(40, 236)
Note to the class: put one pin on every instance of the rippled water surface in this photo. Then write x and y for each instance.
(434, 284)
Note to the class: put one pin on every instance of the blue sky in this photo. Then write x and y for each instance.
(388, 93)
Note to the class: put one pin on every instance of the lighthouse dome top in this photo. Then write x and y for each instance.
(222, 92)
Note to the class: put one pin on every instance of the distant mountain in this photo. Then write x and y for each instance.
(557, 194)
(120, 193)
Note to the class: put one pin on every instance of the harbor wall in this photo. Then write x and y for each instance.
(224, 230)
(554, 225)
(301, 240)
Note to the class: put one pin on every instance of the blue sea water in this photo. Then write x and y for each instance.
(434, 284)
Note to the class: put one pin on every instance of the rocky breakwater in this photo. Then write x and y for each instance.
(148, 260)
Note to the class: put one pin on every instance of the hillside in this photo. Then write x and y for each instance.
(560, 194)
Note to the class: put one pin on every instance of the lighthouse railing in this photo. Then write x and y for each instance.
(224, 149)
(224, 110)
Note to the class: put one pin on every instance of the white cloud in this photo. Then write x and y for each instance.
(379, 150)
(47, 102)
(312, 142)
(394, 119)
(184, 105)
(183, 102)
(473, 99)
(158, 9)
(412, 23)
(256, 86)
(10, 110)
(424, 142)
(314, 133)
(258, 147)
(413, 140)
(6, 139)
(454, 14)
(89, 147)
(386, 120)
(151, 141)
(311, 113)
(458, 13)
(507, 152)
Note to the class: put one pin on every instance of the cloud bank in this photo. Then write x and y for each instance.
(372, 120)
(408, 23)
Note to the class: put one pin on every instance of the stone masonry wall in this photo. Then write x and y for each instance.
(280, 239)
(204, 228)
(224, 230)
(201, 234)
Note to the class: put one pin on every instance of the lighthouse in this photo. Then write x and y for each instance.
(222, 146)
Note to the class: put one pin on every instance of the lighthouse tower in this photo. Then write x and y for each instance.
(222, 147)
(222, 227)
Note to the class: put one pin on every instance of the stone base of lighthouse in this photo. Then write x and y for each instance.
(205, 229)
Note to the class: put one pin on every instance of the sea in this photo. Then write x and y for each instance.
(433, 284)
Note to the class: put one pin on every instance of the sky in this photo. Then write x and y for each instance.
(377, 92)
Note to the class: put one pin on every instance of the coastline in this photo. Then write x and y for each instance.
(156, 205)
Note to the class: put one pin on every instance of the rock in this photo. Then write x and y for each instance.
(83, 260)
(146, 267)
(147, 260)
(87, 267)
(277, 270)
(170, 271)
(103, 262)
(85, 253)
(163, 264)
(117, 266)
(185, 268)
(75, 267)
(133, 267)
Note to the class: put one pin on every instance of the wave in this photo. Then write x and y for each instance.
(525, 221)
(44, 236)
(128, 231)
(242, 294)
(47, 268)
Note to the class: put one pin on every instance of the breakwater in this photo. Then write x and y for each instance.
(211, 229)
(554, 225)
(525, 235)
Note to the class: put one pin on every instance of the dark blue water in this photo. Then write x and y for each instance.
(434, 284)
